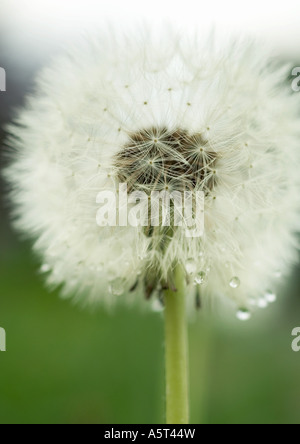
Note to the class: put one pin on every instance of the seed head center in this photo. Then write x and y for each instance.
(179, 163)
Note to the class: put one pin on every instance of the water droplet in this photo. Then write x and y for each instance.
(45, 268)
(200, 278)
(157, 306)
(270, 296)
(116, 287)
(243, 314)
(191, 266)
(262, 303)
(235, 282)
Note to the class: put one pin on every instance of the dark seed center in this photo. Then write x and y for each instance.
(156, 159)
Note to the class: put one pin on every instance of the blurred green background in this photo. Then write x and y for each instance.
(68, 366)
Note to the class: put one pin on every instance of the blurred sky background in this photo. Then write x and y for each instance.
(69, 366)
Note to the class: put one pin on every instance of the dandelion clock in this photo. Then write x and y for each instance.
(160, 171)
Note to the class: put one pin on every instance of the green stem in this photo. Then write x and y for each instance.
(177, 352)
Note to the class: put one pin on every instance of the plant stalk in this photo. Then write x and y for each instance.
(176, 348)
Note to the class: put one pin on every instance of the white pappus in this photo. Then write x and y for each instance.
(158, 112)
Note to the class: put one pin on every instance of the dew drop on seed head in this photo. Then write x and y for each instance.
(235, 282)
(45, 268)
(157, 306)
(191, 267)
(262, 303)
(200, 278)
(116, 287)
(270, 296)
(243, 314)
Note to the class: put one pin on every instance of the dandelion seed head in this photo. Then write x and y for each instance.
(158, 114)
